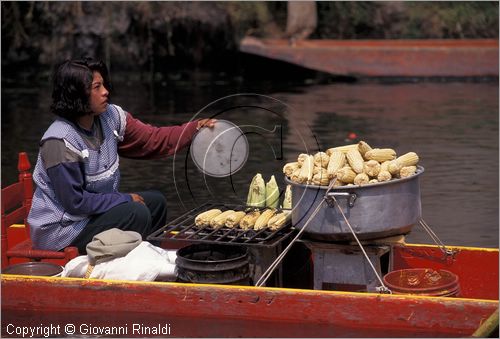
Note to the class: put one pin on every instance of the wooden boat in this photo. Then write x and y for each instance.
(381, 58)
(54, 306)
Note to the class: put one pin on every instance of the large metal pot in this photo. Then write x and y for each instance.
(373, 210)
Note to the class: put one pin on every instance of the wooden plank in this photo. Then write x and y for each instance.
(382, 58)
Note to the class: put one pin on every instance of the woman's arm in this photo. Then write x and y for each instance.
(145, 141)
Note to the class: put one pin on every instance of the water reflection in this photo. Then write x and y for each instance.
(452, 126)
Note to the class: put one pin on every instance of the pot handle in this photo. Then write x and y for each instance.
(351, 198)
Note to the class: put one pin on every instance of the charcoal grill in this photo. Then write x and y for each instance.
(184, 229)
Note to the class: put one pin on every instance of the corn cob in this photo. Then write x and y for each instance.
(343, 149)
(302, 157)
(249, 220)
(355, 160)
(394, 167)
(336, 162)
(220, 220)
(361, 179)
(381, 154)
(408, 159)
(306, 171)
(272, 193)
(372, 168)
(289, 168)
(295, 176)
(373, 181)
(279, 220)
(407, 171)
(203, 219)
(263, 219)
(287, 200)
(346, 175)
(257, 192)
(320, 179)
(234, 219)
(363, 147)
(321, 159)
(384, 166)
(384, 176)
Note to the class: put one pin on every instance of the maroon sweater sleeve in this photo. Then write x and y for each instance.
(144, 141)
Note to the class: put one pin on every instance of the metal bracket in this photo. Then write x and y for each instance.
(351, 198)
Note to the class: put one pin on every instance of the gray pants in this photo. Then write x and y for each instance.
(130, 216)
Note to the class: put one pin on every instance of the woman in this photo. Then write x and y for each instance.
(76, 173)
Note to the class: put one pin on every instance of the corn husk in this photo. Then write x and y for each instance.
(287, 200)
(257, 192)
(272, 193)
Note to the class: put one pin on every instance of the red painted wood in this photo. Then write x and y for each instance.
(477, 270)
(197, 310)
(421, 58)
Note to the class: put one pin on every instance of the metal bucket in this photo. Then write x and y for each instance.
(213, 264)
(373, 210)
(44, 269)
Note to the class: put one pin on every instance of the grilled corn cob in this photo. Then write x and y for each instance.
(372, 168)
(336, 162)
(287, 200)
(355, 160)
(279, 220)
(234, 219)
(381, 154)
(257, 192)
(346, 175)
(263, 219)
(407, 171)
(321, 159)
(343, 149)
(289, 168)
(361, 179)
(384, 176)
(272, 193)
(220, 220)
(203, 219)
(249, 220)
(363, 147)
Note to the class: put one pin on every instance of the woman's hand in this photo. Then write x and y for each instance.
(206, 123)
(137, 198)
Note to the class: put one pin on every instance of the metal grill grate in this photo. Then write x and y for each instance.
(184, 229)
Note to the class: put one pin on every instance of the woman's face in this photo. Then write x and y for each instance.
(98, 95)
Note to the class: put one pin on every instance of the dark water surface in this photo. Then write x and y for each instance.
(452, 126)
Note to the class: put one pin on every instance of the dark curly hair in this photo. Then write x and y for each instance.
(72, 82)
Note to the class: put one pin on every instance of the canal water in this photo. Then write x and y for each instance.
(453, 126)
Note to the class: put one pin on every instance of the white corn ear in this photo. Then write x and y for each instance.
(203, 219)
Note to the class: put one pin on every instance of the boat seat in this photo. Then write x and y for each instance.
(16, 242)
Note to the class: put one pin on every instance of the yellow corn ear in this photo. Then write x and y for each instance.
(355, 160)
(306, 171)
(394, 167)
(257, 192)
(203, 219)
(220, 220)
(384, 176)
(381, 154)
(408, 159)
(321, 159)
(346, 175)
(263, 219)
(363, 147)
(407, 171)
(234, 219)
(361, 179)
(272, 193)
(289, 168)
(249, 220)
(287, 200)
(279, 220)
(343, 149)
(336, 162)
(372, 168)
